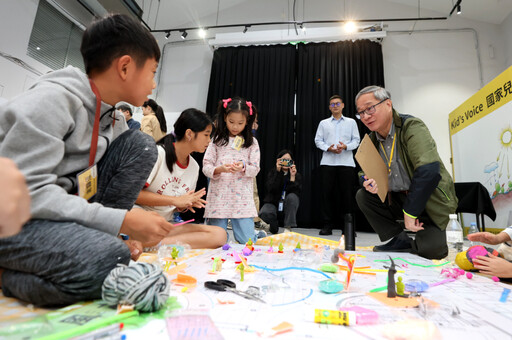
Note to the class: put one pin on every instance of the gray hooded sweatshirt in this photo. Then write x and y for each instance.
(47, 132)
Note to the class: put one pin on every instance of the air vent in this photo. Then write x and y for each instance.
(102, 7)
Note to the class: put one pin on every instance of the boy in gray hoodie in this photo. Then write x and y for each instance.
(67, 123)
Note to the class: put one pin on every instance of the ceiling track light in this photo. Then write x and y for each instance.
(202, 33)
(167, 35)
(302, 25)
(456, 7)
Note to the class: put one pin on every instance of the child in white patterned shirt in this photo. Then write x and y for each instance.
(231, 162)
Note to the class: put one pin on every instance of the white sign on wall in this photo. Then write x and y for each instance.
(481, 138)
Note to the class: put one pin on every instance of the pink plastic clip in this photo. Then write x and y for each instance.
(250, 107)
(226, 101)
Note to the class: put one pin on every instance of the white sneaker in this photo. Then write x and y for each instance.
(287, 230)
(261, 234)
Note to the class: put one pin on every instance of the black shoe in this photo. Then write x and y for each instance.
(274, 228)
(327, 230)
(397, 244)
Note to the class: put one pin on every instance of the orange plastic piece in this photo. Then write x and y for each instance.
(185, 280)
(400, 302)
(176, 269)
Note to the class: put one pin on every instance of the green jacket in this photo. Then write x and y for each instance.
(431, 188)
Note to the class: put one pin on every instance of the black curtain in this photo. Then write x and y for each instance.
(271, 76)
(264, 75)
(325, 69)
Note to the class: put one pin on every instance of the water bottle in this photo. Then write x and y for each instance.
(350, 239)
(473, 229)
(454, 237)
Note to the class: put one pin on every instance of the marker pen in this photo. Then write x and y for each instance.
(335, 317)
(364, 180)
(185, 222)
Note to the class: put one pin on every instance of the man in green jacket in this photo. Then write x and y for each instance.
(421, 191)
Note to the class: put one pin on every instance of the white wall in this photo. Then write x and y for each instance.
(184, 76)
(506, 28)
(430, 74)
(16, 21)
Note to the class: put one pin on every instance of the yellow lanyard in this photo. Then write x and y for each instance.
(391, 155)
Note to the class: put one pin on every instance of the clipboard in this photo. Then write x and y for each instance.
(373, 166)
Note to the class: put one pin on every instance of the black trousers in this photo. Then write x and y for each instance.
(268, 213)
(429, 243)
(337, 194)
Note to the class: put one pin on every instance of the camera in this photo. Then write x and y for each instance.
(286, 162)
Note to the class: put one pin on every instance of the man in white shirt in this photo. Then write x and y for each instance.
(336, 136)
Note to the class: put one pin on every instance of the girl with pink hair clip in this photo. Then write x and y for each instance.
(231, 162)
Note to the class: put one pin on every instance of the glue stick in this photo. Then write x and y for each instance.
(335, 317)
(364, 316)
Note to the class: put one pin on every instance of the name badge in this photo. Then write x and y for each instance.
(280, 206)
(238, 142)
(88, 182)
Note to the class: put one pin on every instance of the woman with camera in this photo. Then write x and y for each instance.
(283, 186)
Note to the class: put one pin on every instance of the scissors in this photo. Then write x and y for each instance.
(222, 285)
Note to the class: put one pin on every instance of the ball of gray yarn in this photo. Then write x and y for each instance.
(143, 285)
(338, 251)
(335, 256)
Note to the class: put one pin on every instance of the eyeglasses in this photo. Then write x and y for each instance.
(370, 110)
(335, 104)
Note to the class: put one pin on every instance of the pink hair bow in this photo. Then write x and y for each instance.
(226, 101)
(250, 106)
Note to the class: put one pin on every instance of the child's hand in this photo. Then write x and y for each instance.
(484, 237)
(135, 248)
(224, 168)
(145, 226)
(238, 166)
(493, 265)
(15, 199)
(191, 200)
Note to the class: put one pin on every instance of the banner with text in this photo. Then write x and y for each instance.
(481, 139)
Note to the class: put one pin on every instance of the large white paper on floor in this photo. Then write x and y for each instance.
(466, 306)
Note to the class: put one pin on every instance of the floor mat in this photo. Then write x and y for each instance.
(12, 309)
(290, 240)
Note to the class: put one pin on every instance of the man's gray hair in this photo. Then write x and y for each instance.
(380, 93)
